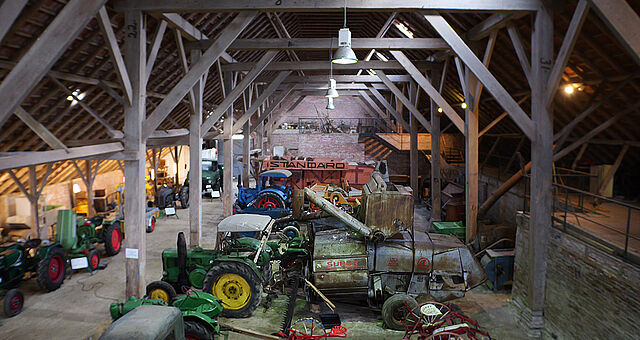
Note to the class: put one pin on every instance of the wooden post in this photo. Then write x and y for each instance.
(88, 174)
(34, 198)
(471, 157)
(195, 161)
(246, 144)
(609, 177)
(134, 145)
(413, 144)
(227, 146)
(542, 165)
(583, 148)
(436, 195)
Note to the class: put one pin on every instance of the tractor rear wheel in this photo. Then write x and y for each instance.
(113, 239)
(269, 200)
(13, 302)
(194, 330)
(237, 286)
(94, 259)
(161, 290)
(152, 225)
(51, 270)
(184, 197)
(396, 308)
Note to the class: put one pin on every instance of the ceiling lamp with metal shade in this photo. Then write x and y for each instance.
(332, 92)
(344, 54)
(330, 105)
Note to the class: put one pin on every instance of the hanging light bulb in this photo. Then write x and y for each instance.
(332, 92)
(344, 54)
(330, 104)
(464, 105)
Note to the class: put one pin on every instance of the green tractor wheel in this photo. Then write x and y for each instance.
(51, 270)
(161, 290)
(237, 286)
(195, 330)
(113, 238)
(13, 302)
(93, 258)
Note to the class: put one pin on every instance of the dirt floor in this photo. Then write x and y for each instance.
(80, 308)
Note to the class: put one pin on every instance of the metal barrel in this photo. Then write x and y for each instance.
(349, 220)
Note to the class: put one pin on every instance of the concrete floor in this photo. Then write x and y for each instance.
(79, 309)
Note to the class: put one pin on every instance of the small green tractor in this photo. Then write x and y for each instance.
(77, 236)
(199, 312)
(235, 274)
(211, 181)
(20, 261)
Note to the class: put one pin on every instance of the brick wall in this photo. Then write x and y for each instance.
(340, 146)
(315, 107)
(589, 293)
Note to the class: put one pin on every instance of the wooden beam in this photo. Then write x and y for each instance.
(114, 52)
(340, 78)
(9, 11)
(372, 104)
(111, 131)
(22, 159)
(620, 17)
(325, 43)
(195, 161)
(405, 101)
(39, 129)
(521, 53)
(612, 171)
(135, 145)
(579, 16)
(388, 106)
(323, 65)
(186, 83)
(482, 73)
(281, 116)
(237, 91)
(273, 106)
(182, 54)
(44, 52)
(583, 148)
(323, 5)
(260, 100)
(383, 30)
(35, 211)
(490, 24)
(155, 46)
(425, 84)
(500, 117)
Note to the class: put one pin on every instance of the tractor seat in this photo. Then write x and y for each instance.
(32, 243)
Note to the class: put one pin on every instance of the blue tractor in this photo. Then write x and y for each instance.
(272, 192)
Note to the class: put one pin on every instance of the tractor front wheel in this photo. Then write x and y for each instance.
(113, 239)
(51, 270)
(269, 200)
(184, 197)
(13, 302)
(161, 290)
(94, 259)
(237, 286)
(194, 330)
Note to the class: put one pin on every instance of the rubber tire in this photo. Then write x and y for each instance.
(267, 273)
(246, 273)
(271, 195)
(184, 197)
(151, 228)
(6, 304)
(168, 288)
(197, 330)
(391, 305)
(90, 255)
(44, 281)
(108, 246)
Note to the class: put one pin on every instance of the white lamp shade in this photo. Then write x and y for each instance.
(330, 105)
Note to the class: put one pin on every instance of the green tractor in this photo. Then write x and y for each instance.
(77, 236)
(20, 261)
(199, 312)
(235, 274)
(211, 181)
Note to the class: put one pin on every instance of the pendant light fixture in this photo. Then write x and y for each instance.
(332, 92)
(330, 105)
(344, 54)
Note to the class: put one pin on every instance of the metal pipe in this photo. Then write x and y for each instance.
(349, 220)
